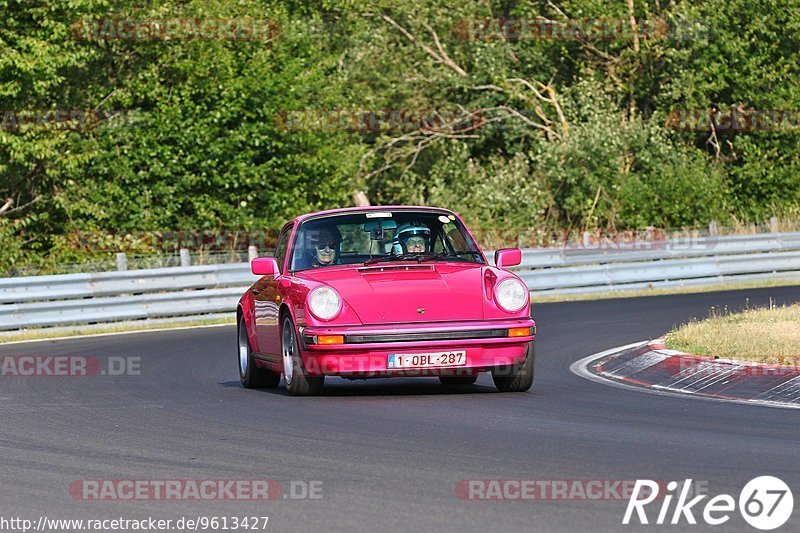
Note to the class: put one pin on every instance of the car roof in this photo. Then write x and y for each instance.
(345, 210)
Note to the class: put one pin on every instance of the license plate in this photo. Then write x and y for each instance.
(426, 360)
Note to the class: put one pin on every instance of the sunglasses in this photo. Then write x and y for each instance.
(326, 244)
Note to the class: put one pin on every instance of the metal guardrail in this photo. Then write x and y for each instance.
(42, 301)
(656, 264)
(65, 286)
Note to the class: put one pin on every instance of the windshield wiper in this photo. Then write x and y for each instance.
(419, 257)
(443, 255)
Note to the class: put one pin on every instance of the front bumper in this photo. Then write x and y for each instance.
(366, 349)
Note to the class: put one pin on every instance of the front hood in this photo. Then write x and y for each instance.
(392, 293)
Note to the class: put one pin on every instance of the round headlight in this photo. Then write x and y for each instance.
(325, 303)
(511, 295)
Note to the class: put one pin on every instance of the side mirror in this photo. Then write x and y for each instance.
(265, 266)
(507, 257)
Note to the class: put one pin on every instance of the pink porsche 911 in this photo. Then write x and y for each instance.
(384, 292)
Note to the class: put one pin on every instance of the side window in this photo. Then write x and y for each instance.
(447, 238)
(283, 246)
(456, 238)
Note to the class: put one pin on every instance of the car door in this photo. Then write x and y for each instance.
(267, 303)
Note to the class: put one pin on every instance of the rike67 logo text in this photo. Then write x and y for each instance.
(765, 503)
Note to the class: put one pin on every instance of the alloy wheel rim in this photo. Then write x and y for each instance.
(244, 350)
(288, 352)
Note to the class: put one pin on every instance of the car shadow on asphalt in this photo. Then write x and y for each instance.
(337, 387)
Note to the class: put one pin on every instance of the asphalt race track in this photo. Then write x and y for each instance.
(389, 453)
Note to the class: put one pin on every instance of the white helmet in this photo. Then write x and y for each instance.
(406, 231)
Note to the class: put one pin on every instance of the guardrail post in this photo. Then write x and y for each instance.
(252, 252)
(712, 228)
(773, 224)
(122, 262)
(186, 260)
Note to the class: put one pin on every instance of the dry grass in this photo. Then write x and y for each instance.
(767, 335)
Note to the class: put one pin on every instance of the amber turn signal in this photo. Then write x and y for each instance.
(519, 332)
(330, 339)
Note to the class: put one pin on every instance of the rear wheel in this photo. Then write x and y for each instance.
(298, 382)
(251, 376)
(458, 380)
(516, 378)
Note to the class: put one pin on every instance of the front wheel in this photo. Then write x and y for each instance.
(251, 376)
(298, 382)
(516, 378)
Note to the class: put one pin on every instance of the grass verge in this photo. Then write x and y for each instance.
(729, 286)
(100, 329)
(767, 335)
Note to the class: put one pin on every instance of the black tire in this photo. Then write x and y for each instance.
(251, 376)
(458, 380)
(298, 382)
(516, 378)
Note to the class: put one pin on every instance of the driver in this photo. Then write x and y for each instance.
(411, 238)
(323, 245)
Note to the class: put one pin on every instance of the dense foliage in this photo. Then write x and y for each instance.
(554, 134)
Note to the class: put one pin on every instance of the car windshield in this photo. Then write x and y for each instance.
(382, 236)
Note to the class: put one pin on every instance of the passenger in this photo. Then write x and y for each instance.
(323, 246)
